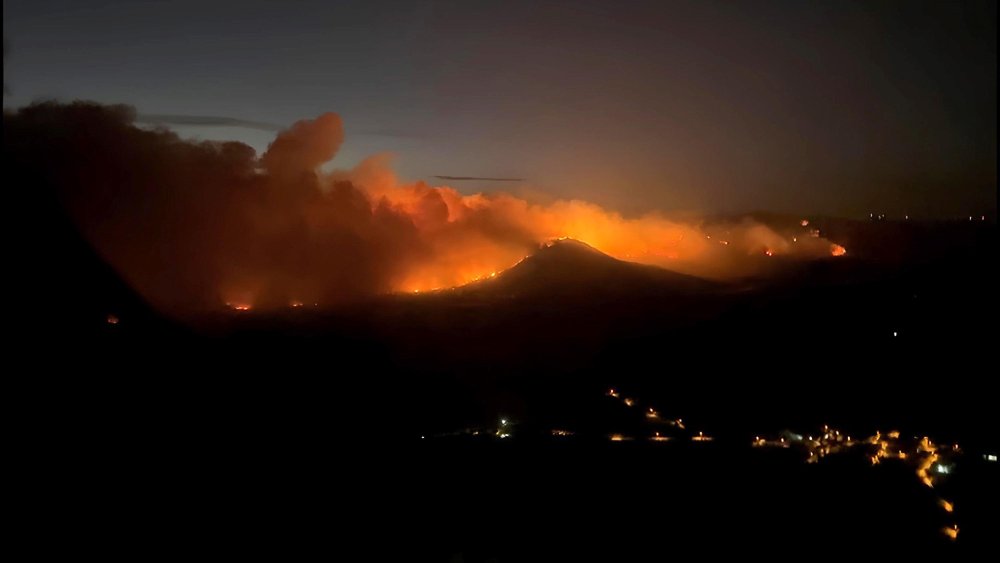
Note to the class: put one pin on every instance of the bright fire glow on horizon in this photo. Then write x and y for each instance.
(196, 225)
(442, 215)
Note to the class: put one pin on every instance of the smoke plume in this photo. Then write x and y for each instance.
(195, 225)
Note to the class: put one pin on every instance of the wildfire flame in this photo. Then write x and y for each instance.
(264, 231)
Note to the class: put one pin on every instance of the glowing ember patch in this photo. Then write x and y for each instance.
(112, 320)
(618, 438)
(629, 402)
(837, 250)
(951, 532)
(804, 222)
(947, 506)
(295, 304)
(239, 306)
(769, 252)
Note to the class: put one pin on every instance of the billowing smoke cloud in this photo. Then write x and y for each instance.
(193, 225)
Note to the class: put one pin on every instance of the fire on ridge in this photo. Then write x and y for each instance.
(194, 225)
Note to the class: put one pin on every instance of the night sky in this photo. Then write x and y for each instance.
(816, 107)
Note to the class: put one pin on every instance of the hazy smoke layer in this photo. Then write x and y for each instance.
(195, 225)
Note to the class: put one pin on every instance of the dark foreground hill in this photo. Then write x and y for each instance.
(146, 424)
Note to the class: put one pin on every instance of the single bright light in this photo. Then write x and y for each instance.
(503, 422)
(942, 469)
(991, 457)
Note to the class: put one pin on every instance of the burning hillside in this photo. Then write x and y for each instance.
(194, 225)
(567, 266)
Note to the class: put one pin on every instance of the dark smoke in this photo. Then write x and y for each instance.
(192, 225)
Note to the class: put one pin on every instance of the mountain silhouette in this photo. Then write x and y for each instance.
(571, 267)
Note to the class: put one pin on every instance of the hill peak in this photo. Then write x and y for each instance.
(569, 265)
(569, 249)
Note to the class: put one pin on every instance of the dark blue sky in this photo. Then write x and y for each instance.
(831, 107)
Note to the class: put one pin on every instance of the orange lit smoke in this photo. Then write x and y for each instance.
(473, 237)
(195, 225)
